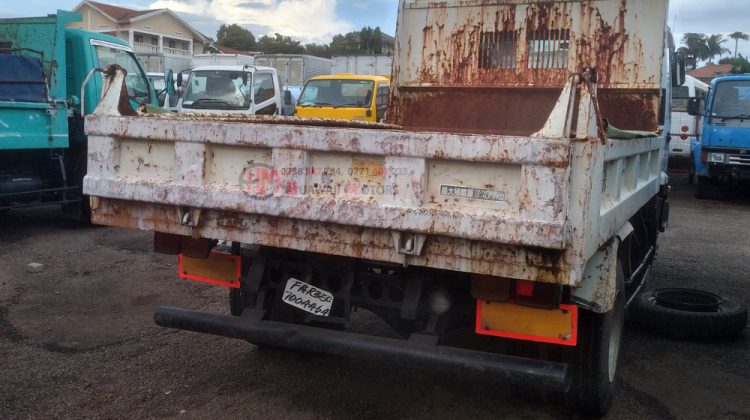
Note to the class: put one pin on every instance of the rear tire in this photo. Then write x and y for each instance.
(595, 359)
(704, 191)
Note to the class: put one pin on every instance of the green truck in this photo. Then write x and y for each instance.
(43, 66)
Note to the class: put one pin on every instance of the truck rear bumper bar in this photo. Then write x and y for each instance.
(538, 373)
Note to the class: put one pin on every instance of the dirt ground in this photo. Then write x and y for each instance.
(77, 340)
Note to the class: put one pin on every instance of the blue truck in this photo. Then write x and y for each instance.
(721, 153)
(43, 66)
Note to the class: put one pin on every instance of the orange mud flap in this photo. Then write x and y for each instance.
(519, 322)
(408, 353)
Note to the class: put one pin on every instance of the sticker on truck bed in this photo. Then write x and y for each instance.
(472, 193)
(307, 297)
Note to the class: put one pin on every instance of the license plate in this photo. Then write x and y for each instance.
(307, 297)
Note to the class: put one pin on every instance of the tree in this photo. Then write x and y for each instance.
(740, 65)
(364, 41)
(715, 44)
(235, 36)
(695, 43)
(279, 44)
(737, 37)
(690, 59)
(319, 50)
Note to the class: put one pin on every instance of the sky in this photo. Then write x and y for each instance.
(319, 20)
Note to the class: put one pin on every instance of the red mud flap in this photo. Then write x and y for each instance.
(530, 372)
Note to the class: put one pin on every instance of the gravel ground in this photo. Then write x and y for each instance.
(77, 340)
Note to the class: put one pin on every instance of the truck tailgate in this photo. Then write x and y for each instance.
(457, 201)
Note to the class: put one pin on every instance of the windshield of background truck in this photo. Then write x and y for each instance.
(217, 89)
(680, 96)
(732, 99)
(135, 81)
(337, 93)
(158, 82)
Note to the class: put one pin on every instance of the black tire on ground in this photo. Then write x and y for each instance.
(704, 191)
(685, 313)
(236, 302)
(691, 177)
(595, 359)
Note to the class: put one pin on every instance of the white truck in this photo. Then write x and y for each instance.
(374, 65)
(499, 222)
(295, 69)
(246, 89)
(215, 59)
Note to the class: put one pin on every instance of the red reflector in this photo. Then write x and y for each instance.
(684, 136)
(524, 288)
(685, 129)
(704, 156)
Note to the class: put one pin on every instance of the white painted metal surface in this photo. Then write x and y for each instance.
(201, 60)
(295, 69)
(379, 65)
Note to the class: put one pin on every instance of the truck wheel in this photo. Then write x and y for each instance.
(237, 301)
(705, 190)
(595, 359)
(686, 313)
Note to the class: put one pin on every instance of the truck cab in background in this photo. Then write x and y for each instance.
(685, 127)
(236, 89)
(43, 66)
(721, 154)
(346, 97)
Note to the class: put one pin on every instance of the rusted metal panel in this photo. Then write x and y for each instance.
(448, 43)
(498, 66)
(245, 132)
(466, 223)
(440, 252)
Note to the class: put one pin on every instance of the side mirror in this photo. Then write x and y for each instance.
(179, 79)
(170, 82)
(287, 97)
(694, 106)
(678, 69)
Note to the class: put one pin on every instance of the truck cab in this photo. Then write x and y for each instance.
(722, 152)
(43, 66)
(237, 89)
(345, 96)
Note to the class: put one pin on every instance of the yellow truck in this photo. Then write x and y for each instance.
(345, 96)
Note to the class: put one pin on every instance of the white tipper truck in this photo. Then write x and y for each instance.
(246, 89)
(514, 195)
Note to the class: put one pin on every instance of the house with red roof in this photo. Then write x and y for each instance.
(709, 72)
(161, 39)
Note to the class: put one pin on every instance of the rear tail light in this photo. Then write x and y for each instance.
(704, 156)
(685, 128)
(537, 295)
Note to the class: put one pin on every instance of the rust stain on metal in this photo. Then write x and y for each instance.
(123, 105)
(351, 241)
(630, 110)
(510, 111)
(270, 119)
(454, 84)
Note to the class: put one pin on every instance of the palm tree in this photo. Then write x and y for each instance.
(737, 37)
(696, 44)
(715, 45)
(691, 59)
